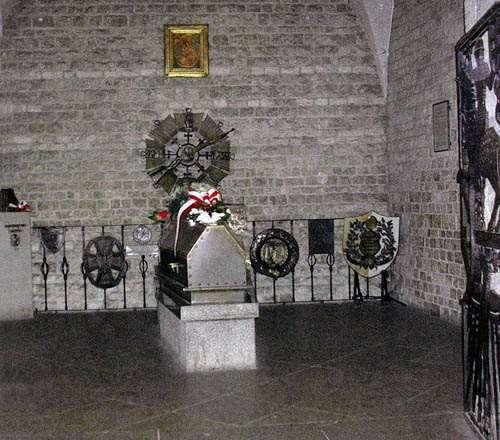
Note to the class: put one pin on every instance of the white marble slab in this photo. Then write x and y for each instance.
(211, 336)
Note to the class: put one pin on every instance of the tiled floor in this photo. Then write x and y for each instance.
(336, 371)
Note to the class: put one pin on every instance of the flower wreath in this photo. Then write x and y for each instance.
(202, 206)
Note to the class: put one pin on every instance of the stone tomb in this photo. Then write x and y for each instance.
(16, 290)
(205, 312)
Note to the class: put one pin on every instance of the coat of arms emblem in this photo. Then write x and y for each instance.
(370, 243)
(52, 239)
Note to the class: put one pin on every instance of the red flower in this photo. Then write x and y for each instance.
(162, 215)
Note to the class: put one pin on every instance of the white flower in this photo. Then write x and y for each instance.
(206, 219)
(237, 224)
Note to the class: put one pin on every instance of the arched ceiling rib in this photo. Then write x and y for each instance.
(376, 16)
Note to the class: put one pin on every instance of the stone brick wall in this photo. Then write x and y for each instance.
(423, 191)
(81, 85)
(474, 10)
(82, 82)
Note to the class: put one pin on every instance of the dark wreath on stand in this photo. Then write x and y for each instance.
(274, 253)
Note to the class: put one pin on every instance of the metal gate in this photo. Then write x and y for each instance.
(478, 85)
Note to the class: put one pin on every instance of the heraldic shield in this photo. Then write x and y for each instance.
(52, 239)
(370, 243)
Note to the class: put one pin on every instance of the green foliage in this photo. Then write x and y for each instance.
(175, 204)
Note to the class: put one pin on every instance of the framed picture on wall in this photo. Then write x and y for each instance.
(186, 50)
(441, 125)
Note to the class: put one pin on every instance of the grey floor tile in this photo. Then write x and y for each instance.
(77, 420)
(450, 354)
(443, 397)
(179, 424)
(423, 372)
(45, 397)
(231, 410)
(378, 358)
(450, 426)
(295, 415)
(229, 382)
(333, 371)
(182, 427)
(301, 387)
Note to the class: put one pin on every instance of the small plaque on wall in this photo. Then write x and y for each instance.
(321, 236)
(441, 125)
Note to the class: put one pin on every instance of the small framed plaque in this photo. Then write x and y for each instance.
(441, 125)
(321, 236)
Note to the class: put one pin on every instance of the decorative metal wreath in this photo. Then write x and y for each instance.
(104, 262)
(274, 253)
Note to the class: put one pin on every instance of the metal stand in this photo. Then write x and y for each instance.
(357, 296)
(385, 298)
(384, 292)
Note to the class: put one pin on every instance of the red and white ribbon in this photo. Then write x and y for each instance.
(209, 198)
(22, 206)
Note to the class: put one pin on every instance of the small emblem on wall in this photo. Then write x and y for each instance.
(15, 231)
(104, 262)
(14, 240)
(52, 239)
(142, 234)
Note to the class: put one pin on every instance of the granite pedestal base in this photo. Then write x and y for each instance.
(210, 336)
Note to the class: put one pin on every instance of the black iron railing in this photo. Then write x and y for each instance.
(61, 283)
(317, 277)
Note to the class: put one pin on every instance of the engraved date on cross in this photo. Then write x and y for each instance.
(187, 154)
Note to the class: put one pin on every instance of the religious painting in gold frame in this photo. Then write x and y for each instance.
(186, 50)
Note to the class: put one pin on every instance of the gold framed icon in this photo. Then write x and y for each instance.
(186, 50)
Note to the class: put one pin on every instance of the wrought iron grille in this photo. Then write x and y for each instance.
(321, 277)
(478, 73)
(60, 283)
